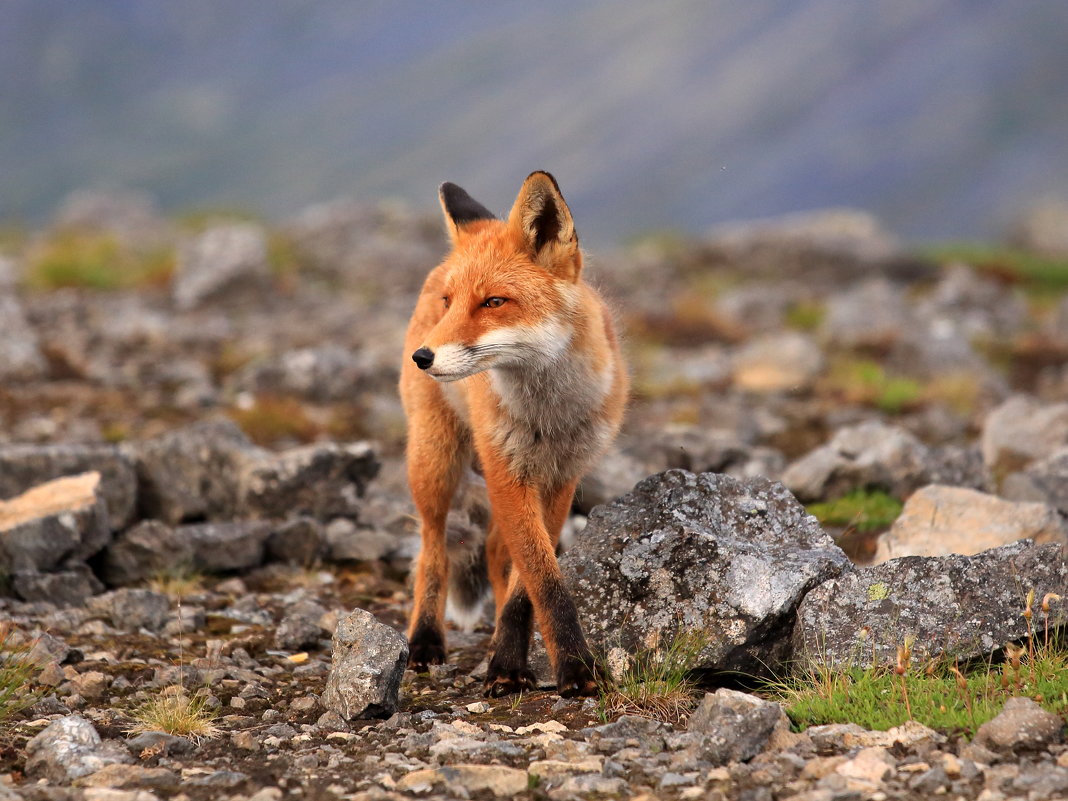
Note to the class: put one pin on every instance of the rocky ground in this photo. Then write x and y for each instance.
(201, 456)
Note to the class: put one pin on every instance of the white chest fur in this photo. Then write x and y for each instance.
(551, 425)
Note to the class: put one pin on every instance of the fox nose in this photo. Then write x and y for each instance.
(423, 358)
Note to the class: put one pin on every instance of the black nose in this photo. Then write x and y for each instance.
(423, 358)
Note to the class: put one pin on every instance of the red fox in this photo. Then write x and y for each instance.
(512, 365)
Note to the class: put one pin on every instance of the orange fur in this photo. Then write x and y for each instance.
(534, 387)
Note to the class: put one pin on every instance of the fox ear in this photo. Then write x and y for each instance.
(460, 208)
(544, 222)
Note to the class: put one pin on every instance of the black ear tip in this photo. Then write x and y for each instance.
(546, 174)
(461, 206)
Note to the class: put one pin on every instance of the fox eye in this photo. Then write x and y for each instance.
(445, 300)
(493, 303)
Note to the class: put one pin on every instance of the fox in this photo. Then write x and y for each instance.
(512, 372)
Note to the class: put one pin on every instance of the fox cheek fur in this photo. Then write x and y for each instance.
(512, 365)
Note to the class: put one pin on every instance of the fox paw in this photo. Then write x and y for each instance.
(576, 676)
(506, 682)
(427, 647)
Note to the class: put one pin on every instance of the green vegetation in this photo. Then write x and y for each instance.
(272, 419)
(867, 382)
(16, 670)
(177, 582)
(657, 683)
(862, 510)
(1041, 275)
(939, 695)
(95, 261)
(805, 316)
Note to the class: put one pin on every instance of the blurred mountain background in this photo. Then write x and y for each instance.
(946, 118)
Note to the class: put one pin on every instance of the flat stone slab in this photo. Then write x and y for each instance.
(961, 606)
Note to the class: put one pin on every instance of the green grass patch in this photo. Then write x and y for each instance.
(1038, 274)
(862, 510)
(16, 671)
(657, 683)
(866, 382)
(938, 694)
(805, 316)
(95, 261)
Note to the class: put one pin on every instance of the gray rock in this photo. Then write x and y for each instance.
(60, 522)
(68, 749)
(873, 315)
(70, 587)
(148, 549)
(1045, 481)
(615, 475)
(734, 726)
(369, 659)
(321, 481)
(709, 553)
(973, 305)
(381, 250)
(133, 609)
(192, 473)
(963, 606)
(159, 742)
(323, 374)
(1021, 726)
(20, 353)
(23, 467)
(221, 261)
(300, 541)
(827, 245)
(130, 215)
(348, 542)
(1023, 430)
(227, 546)
(958, 466)
(300, 626)
(871, 454)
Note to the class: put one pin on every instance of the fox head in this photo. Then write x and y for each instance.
(510, 291)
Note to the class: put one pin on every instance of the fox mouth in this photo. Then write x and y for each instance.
(448, 378)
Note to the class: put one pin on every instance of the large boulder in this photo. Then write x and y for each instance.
(23, 467)
(685, 552)
(962, 606)
(368, 662)
(939, 520)
(58, 523)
